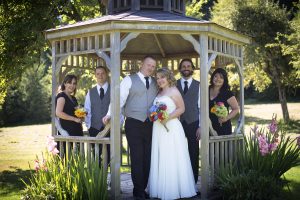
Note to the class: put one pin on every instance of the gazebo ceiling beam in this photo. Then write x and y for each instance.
(194, 42)
(211, 59)
(158, 42)
(128, 37)
(59, 63)
(105, 57)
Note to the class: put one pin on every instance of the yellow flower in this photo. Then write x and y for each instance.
(213, 109)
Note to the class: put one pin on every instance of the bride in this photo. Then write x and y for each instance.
(171, 175)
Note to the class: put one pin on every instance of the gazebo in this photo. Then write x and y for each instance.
(118, 40)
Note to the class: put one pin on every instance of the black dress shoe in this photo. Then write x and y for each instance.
(199, 194)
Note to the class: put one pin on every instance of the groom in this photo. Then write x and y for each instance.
(189, 89)
(137, 93)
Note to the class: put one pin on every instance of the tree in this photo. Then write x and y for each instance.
(272, 21)
(292, 47)
(200, 9)
(22, 23)
(23, 47)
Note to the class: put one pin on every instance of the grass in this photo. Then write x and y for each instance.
(19, 146)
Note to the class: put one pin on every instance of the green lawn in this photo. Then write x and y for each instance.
(20, 145)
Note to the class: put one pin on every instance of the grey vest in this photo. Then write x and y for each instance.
(190, 99)
(99, 107)
(139, 99)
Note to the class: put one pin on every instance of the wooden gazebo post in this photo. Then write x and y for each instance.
(204, 114)
(115, 112)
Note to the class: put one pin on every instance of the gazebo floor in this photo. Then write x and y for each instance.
(127, 187)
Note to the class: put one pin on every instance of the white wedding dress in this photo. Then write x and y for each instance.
(171, 175)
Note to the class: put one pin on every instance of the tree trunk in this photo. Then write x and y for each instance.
(283, 101)
(274, 72)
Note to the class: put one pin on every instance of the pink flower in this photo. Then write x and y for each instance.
(273, 127)
(263, 145)
(44, 166)
(55, 151)
(220, 103)
(273, 146)
(36, 165)
(52, 145)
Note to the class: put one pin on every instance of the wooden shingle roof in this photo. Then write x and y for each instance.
(140, 16)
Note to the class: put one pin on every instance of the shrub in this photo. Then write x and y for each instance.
(59, 178)
(257, 172)
(248, 185)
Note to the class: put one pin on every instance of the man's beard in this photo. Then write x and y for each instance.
(186, 73)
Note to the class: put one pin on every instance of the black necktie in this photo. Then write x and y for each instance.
(185, 87)
(147, 82)
(101, 93)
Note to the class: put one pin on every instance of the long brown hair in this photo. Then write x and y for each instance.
(68, 79)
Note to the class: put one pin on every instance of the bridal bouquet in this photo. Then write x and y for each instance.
(219, 110)
(159, 112)
(80, 112)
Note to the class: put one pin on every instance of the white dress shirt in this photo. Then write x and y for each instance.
(182, 80)
(125, 87)
(87, 104)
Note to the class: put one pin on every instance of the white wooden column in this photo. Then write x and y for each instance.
(54, 88)
(115, 115)
(204, 115)
(241, 122)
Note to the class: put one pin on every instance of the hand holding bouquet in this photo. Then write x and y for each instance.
(159, 112)
(80, 112)
(219, 110)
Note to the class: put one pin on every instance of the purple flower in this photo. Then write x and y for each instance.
(273, 146)
(263, 145)
(273, 126)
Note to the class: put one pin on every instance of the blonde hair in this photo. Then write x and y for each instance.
(165, 72)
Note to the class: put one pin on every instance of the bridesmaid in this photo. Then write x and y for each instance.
(65, 107)
(219, 91)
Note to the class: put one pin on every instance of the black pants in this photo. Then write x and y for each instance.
(139, 137)
(193, 143)
(93, 133)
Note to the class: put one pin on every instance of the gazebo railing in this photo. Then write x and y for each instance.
(84, 145)
(223, 150)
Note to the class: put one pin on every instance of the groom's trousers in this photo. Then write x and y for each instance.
(139, 137)
(193, 144)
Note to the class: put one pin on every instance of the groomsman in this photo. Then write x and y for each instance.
(190, 91)
(137, 93)
(96, 104)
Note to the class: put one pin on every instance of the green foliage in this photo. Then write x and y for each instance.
(13, 110)
(22, 23)
(247, 185)
(292, 47)
(222, 13)
(200, 9)
(259, 167)
(57, 178)
(28, 101)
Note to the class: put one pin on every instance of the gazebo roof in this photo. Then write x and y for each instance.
(150, 21)
(141, 16)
